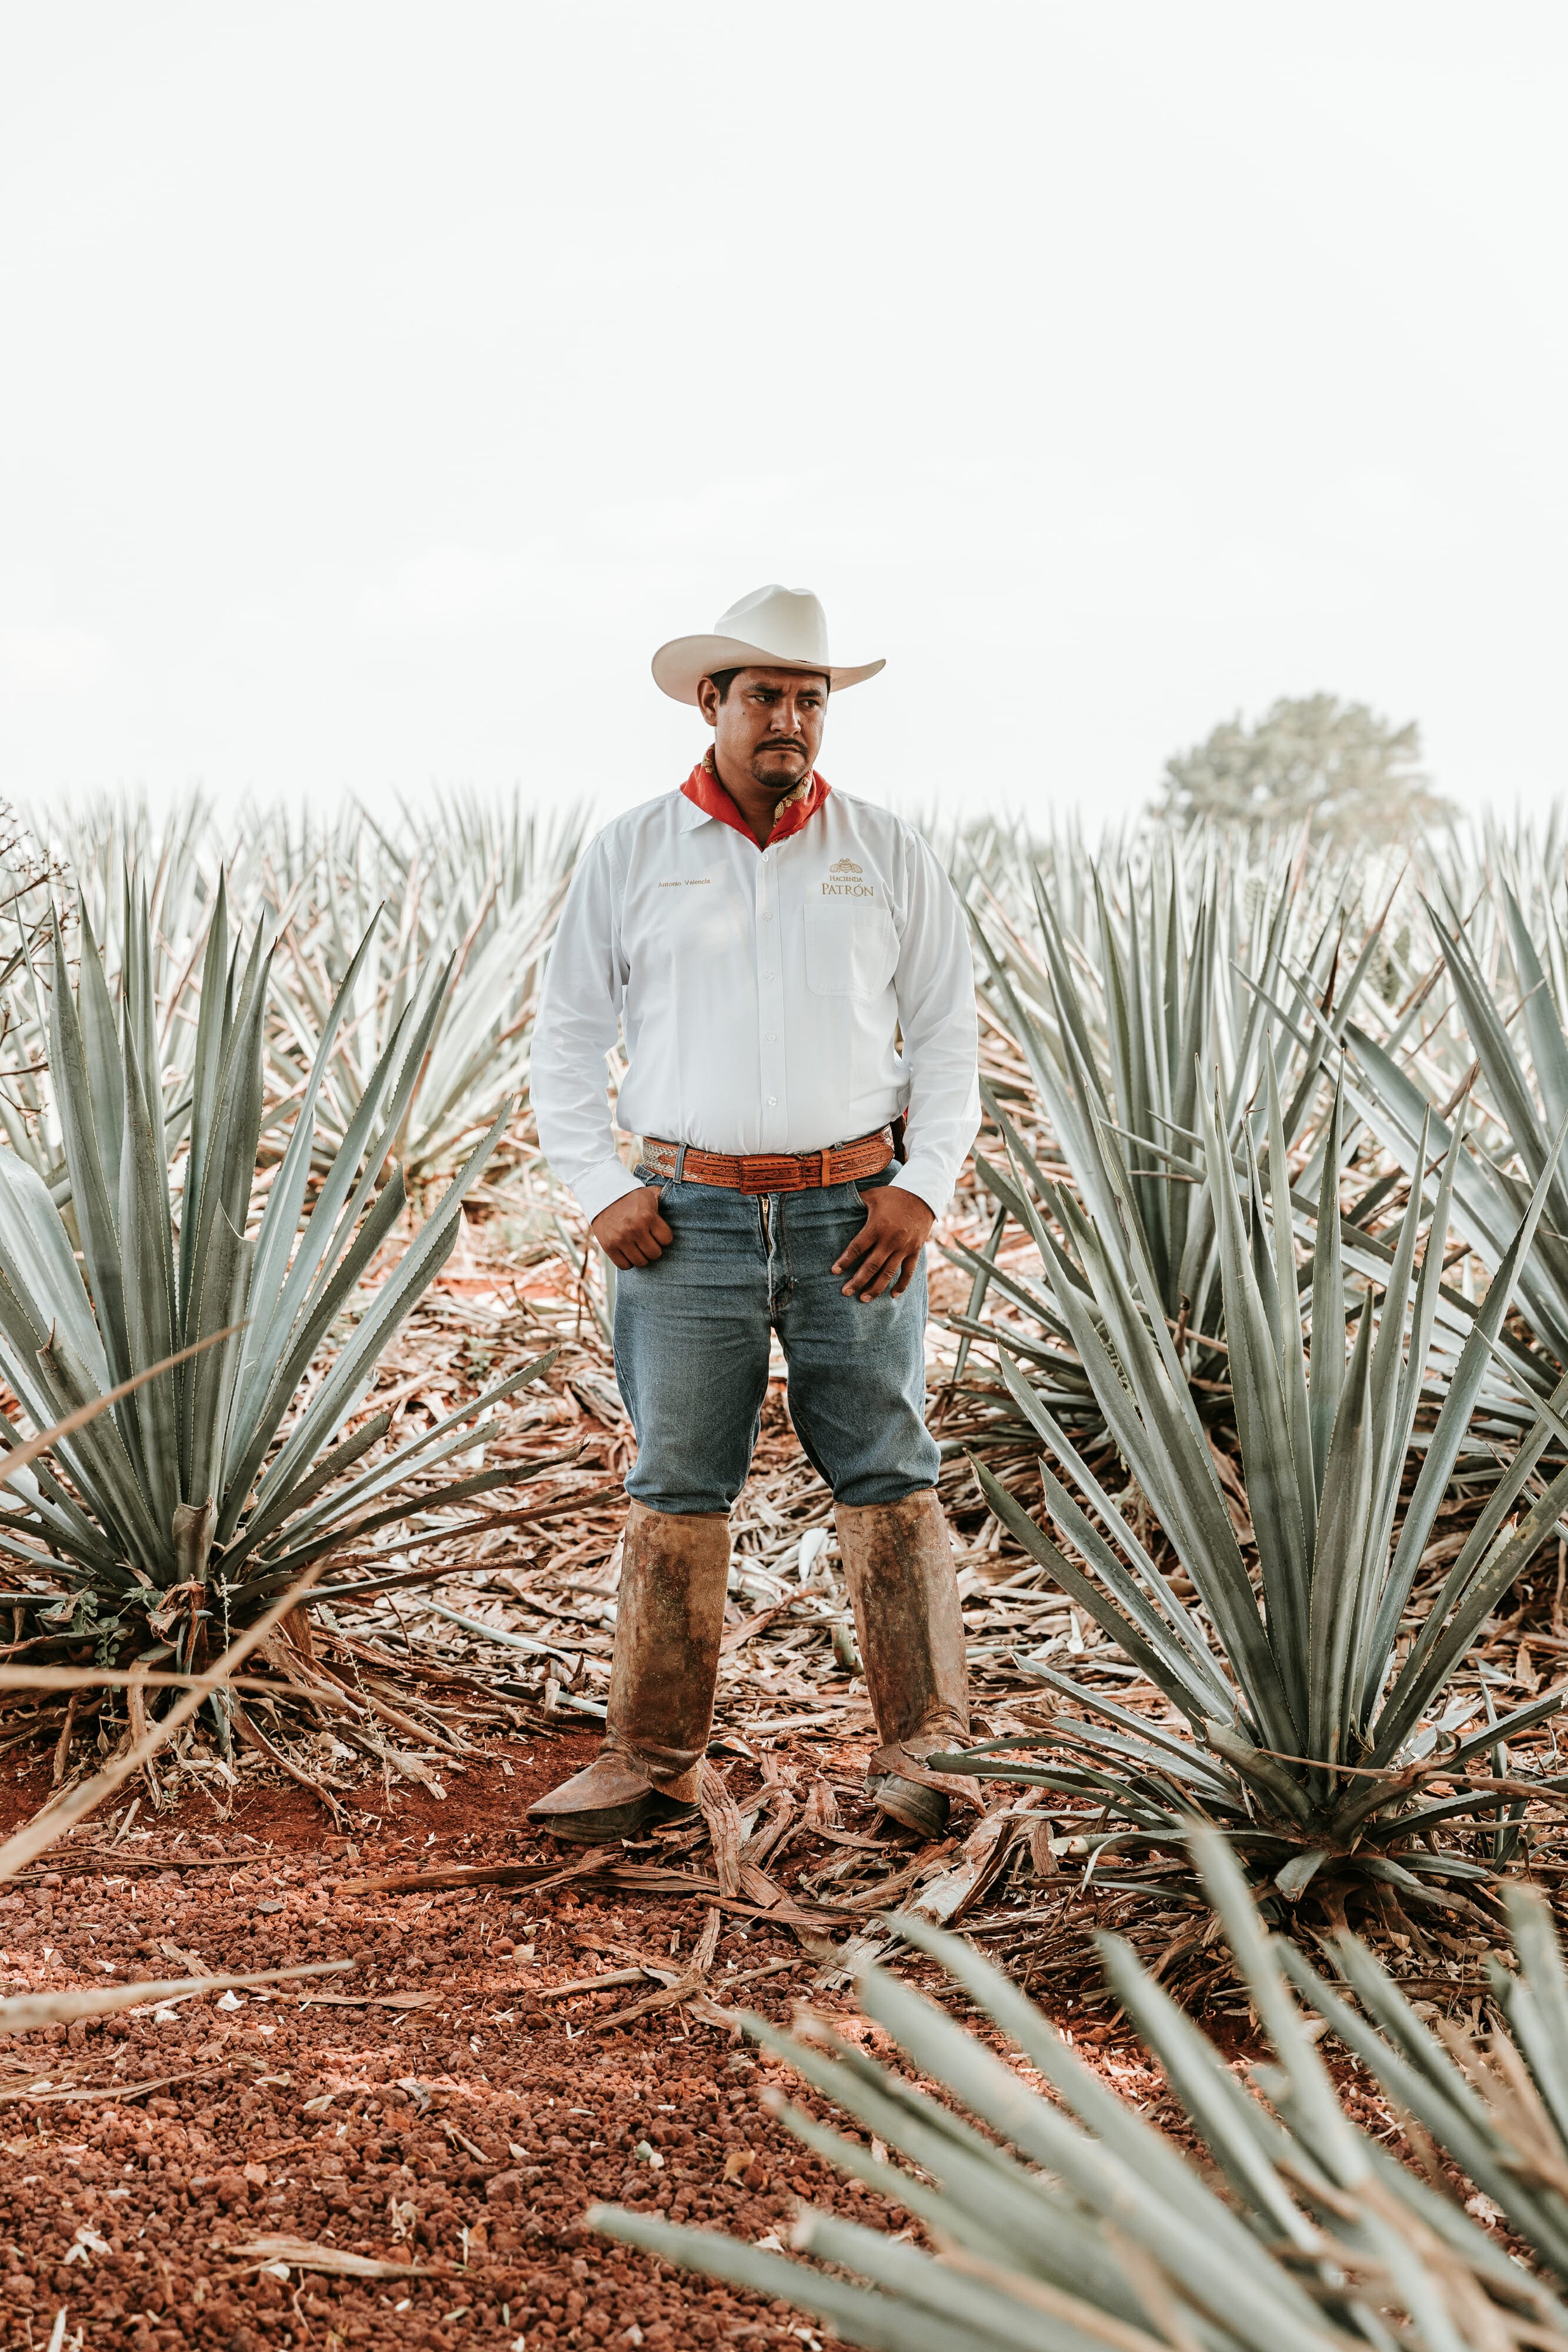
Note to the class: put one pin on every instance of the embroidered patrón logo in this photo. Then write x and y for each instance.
(845, 882)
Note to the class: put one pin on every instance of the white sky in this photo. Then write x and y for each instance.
(379, 383)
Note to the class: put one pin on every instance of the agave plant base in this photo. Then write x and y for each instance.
(1371, 1850)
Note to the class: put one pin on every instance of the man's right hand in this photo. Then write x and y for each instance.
(631, 1231)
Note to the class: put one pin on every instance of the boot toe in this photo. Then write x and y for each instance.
(607, 1801)
(610, 1800)
(911, 1804)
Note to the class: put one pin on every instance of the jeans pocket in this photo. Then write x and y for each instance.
(651, 1176)
(872, 1183)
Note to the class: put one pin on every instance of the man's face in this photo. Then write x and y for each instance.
(769, 728)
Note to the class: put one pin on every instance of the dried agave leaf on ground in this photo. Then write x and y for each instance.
(71, 1804)
(25, 2013)
(1072, 2220)
(332, 2262)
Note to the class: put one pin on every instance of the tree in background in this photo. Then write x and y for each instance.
(1333, 765)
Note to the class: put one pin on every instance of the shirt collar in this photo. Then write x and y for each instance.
(796, 810)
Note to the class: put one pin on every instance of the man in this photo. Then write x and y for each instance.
(791, 969)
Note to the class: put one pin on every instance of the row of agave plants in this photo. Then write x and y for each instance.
(1250, 1123)
(1251, 1114)
(1250, 1117)
(459, 907)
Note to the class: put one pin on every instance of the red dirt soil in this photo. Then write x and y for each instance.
(467, 2136)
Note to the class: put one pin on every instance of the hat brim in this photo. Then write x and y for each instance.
(680, 667)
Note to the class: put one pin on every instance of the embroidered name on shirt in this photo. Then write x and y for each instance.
(847, 890)
(689, 882)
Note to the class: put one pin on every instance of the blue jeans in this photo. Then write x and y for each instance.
(690, 1351)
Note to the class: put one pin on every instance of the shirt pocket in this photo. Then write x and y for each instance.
(850, 951)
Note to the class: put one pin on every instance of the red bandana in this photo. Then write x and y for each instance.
(796, 811)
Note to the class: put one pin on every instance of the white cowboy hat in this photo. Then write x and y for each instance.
(773, 628)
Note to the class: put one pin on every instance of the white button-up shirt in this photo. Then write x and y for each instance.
(771, 1000)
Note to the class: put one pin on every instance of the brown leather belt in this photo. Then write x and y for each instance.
(770, 1172)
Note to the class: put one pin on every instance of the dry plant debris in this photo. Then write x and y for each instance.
(406, 2158)
(526, 2030)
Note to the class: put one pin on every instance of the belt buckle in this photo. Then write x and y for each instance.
(782, 1175)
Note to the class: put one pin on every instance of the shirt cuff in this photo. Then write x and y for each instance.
(607, 1181)
(928, 1179)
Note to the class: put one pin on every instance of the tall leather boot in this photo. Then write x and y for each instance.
(898, 1561)
(669, 1617)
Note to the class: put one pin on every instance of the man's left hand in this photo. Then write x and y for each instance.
(888, 1244)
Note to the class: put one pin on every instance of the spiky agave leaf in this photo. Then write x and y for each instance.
(474, 896)
(1310, 1733)
(210, 1469)
(1179, 965)
(1520, 1061)
(476, 886)
(1499, 2109)
(1069, 2220)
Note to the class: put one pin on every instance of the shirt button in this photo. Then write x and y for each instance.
(768, 975)
(768, 918)
(772, 1100)
(773, 1036)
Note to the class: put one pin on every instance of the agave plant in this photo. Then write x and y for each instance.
(178, 856)
(1068, 2222)
(1310, 1724)
(1186, 964)
(1522, 1066)
(474, 899)
(242, 1319)
(1497, 2111)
